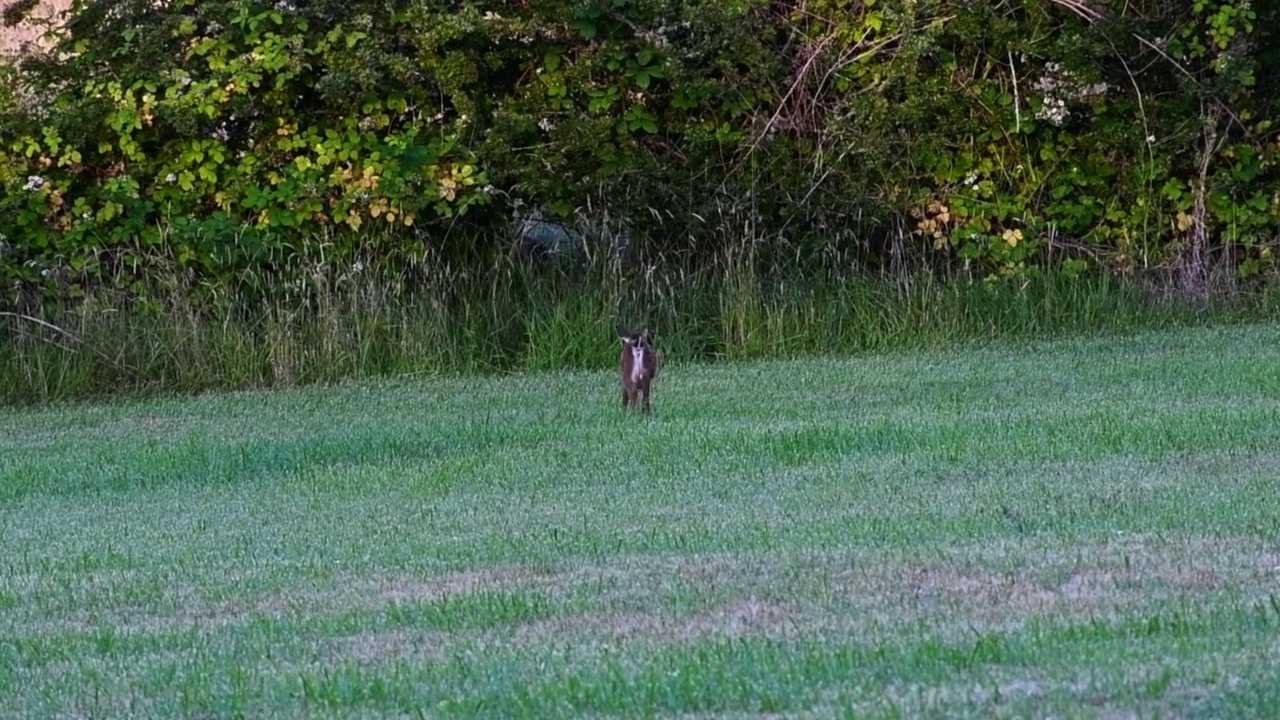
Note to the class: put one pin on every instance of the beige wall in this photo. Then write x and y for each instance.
(11, 39)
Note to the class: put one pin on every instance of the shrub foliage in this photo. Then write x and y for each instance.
(1005, 138)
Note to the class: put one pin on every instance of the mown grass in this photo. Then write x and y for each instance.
(1078, 527)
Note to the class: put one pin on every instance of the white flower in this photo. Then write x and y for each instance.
(170, 178)
(34, 182)
(1060, 86)
(1151, 138)
(1054, 110)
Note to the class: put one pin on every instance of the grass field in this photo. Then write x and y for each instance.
(1083, 527)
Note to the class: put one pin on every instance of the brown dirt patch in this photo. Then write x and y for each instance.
(401, 644)
(747, 618)
(374, 593)
(867, 595)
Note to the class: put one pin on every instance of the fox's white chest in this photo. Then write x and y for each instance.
(637, 364)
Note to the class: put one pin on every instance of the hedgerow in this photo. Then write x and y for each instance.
(1003, 139)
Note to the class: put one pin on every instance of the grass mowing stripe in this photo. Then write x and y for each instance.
(755, 675)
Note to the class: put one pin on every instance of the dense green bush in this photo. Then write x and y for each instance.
(228, 138)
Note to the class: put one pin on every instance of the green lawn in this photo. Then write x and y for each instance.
(1087, 527)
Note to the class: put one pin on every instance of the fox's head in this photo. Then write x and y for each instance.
(635, 339)
(638, 355)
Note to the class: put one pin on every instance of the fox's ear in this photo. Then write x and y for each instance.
(644, 334)
(622, 332)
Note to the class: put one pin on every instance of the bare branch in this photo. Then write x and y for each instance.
(1084, 10)
(71, 336)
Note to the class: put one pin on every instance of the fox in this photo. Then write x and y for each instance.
(638, 366)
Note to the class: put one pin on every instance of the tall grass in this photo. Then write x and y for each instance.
(327, 324)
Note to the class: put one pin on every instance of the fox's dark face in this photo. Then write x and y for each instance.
(635, 344)
(634, 339)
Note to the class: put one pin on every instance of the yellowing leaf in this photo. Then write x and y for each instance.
(448, 188)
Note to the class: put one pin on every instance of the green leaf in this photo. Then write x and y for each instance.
(551, 60)
(683, 100)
